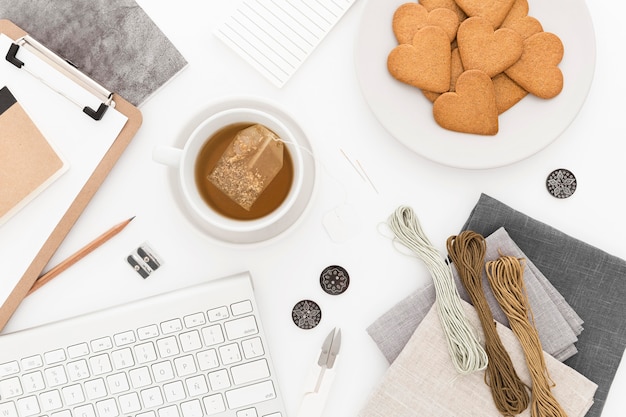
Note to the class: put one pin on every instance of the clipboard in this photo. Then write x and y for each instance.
(95, 179)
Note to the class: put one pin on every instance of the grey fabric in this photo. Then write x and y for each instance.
(112, 41)
(592, 281)
(422, 381)
(557, 323)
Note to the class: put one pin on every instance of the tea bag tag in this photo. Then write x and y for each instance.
(341, 223)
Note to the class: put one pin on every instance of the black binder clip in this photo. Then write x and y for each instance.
(67, 68)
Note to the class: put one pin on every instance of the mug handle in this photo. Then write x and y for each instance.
(167, 155)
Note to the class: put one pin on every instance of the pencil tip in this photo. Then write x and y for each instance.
(131, 219)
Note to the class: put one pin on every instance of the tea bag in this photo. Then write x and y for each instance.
(248, 165)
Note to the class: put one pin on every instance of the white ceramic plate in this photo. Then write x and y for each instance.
(526, 128)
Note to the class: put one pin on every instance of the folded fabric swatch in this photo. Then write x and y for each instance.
(557, 323)
(592, 281)
(423, 382)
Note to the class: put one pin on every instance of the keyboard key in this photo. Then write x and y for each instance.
(242, 307)
(33, 382)
(170, 411)
(148, 332)
(27, 406)
(107, 408)
(191, 408)
(168, 347)
(55, 376)
(252, 348)
(86, 410)
(194, 320)
(50, 400)
(152, 397)
(129, 403)
(251, 394)
(217, 314)
(145, 353)
(174, 391)
(124, 338)
(248, 412)
(230, 353)
(212, 335)
(122, 358)
(197, 386)
(248, 372)
(8, 410)
(32, 362)
(162, 371)
(140, 377)
(214, 404)
(207, 359)
(190, 341)
(100, 364)
(54, 356)
(10, 388)
(219, 380)
(117, 383)
(185, 365)
(9, 368)
(171, 326)
(73, 394)
(238, 328)
(95, 389)
(101, 344)
(78, 370)
(76, 351)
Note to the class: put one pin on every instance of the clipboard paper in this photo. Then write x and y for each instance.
(90, 163)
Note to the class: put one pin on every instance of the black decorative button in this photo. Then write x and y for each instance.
(561, 183)
(306, 314)
(334, 280)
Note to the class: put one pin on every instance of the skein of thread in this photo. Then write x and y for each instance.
(467, 354)
(505, 276)
(467, 251)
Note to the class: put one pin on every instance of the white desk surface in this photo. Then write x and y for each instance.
(324, 97)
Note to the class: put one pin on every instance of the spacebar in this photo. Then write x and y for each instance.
(250, 394)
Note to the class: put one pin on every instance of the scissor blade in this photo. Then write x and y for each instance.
(330, 349)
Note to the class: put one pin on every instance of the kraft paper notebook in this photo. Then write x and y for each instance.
(69, 132)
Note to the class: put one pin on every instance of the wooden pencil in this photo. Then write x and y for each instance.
(80, 254)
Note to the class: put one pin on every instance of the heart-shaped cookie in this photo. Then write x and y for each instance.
(493, 10)
(424, 63)
(446, 4)
(456, 69)
(519, 21)
(471, 108)
(487, 50)
(411, 17)
(508, 92)
(537, 69)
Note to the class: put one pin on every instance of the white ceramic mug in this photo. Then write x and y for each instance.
(219, 226)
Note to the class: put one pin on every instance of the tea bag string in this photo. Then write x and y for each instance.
(467, 354)
(467, 251)
(505, 276)
(318, 163)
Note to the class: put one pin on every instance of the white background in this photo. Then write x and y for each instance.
(324, 97)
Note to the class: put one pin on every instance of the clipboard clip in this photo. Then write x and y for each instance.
(66, 68)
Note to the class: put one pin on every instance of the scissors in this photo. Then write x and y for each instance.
(321, 377)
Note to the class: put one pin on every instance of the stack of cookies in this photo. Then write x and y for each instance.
(474, 59)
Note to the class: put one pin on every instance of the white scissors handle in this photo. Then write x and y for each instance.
(313, 402)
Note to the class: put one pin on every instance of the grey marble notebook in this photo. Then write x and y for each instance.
(112, 41)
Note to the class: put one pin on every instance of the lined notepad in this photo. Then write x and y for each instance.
(276, 36)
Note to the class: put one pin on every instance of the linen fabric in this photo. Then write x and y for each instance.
(592, 282)
(557, 323)
(422, 381)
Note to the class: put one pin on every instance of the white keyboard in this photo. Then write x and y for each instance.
(195, 352)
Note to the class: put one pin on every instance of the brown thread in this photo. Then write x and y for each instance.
(467, 251)
(506, 279)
